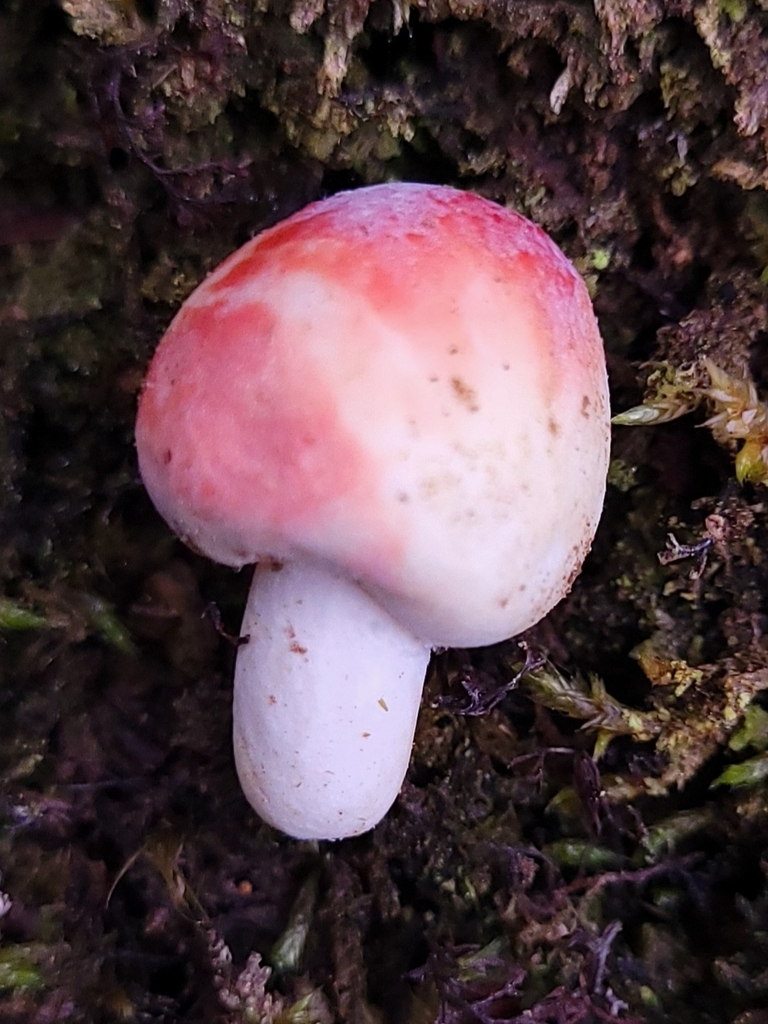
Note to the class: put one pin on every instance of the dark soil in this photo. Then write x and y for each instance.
(518, 877)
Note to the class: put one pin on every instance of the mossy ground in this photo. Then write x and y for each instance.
(516, 879)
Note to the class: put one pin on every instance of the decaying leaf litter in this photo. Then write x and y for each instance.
(517, 878)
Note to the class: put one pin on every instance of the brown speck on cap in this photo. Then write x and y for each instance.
(465, 394)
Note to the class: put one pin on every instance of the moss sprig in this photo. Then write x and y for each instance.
(738, 419)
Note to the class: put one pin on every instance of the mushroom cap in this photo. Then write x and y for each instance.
(406, 382)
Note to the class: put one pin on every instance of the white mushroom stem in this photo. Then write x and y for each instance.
(327, 692)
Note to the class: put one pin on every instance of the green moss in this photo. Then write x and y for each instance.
(752, 772)
(736, 10)
(19, 967)
(14, 616)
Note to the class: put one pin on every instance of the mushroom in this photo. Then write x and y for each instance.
(395, 403)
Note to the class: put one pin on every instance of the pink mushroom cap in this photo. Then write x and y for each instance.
(405, 382)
